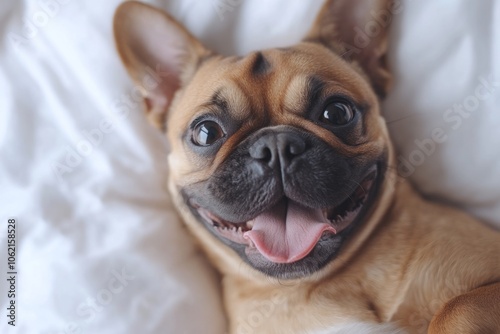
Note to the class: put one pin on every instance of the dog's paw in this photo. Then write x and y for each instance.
(474, 312)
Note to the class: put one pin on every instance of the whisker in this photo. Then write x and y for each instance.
(400, 119)
(359, 185)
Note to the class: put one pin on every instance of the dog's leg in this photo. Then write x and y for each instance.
(476, 312)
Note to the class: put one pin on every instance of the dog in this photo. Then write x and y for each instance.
(282, 168)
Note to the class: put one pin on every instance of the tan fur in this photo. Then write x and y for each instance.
(465, 313)
(414, 262)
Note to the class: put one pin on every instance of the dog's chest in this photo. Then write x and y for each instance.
(289, 309)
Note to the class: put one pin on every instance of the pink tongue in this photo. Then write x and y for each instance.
(288, 232)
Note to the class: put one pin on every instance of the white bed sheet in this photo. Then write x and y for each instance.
(100, 247)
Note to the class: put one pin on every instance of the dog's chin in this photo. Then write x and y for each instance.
(331, 228)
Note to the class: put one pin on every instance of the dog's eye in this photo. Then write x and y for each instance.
(337, 114)
(206, 133)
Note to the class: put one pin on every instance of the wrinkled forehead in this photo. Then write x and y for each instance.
(268, 84)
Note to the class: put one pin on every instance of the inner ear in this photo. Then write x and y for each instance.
(357, 30)
(158, 52)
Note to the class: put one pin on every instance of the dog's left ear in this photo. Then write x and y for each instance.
(158, 52)
(357, 30)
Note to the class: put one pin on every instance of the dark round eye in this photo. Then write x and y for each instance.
(338, 113)
(206, 133)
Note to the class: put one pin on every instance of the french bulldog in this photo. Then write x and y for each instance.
(283, 170)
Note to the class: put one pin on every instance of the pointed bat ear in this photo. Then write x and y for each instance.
(358, 31)
(158, 52)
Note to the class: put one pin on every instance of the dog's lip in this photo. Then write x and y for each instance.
(344, 214)
(228, 230)
(339, 220)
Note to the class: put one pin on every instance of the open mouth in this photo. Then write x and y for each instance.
(287, 232)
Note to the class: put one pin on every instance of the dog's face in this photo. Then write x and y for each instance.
(277, 158)
(278, 154)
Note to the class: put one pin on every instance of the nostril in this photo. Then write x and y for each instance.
(264, 154)
(291, 146)
(260, 151)
(296, 148)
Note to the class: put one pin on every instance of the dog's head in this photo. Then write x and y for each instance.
(277, 158)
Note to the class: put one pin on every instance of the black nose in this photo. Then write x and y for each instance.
(277, 148)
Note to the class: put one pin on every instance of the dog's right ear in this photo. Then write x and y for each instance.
(358, 30)
(158, 52)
